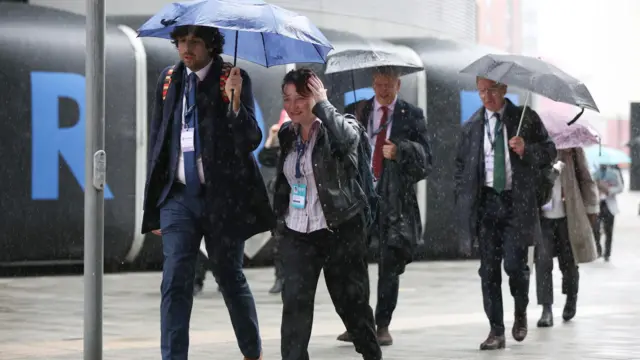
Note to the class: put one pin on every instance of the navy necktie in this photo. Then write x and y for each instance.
(191, 121)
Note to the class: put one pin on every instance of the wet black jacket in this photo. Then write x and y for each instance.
(335, 160)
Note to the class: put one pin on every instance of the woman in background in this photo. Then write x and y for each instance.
(610, 184)
(268, 157)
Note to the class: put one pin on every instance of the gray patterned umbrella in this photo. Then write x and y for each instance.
(535, 75)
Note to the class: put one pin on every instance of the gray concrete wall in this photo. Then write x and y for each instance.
(455, 19)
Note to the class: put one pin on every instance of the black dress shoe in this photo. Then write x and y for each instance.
(546, 319)
(277, 287)
(520, 330)
(570, 308)
(345, 336)
(493, 342)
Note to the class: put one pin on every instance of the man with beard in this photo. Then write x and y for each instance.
(203, 181)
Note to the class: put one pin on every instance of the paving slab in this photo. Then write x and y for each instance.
(439, 314)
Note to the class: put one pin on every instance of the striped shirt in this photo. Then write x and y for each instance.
(310, 218)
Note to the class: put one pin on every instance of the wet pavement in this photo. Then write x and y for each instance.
(439, 315)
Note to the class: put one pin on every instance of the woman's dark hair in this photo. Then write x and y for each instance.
(213, 39)
(299, 78)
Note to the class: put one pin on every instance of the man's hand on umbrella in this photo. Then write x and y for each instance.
(318, 92)
(516, 144)
(234, 84)
(389, 150)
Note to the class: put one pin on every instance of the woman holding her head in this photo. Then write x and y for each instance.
(319, 206)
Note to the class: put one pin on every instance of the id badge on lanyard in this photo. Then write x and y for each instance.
(299, 190)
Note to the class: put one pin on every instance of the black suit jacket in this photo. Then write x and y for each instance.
(237, 205)
(408, 124)
(540, 152)
(399, 227)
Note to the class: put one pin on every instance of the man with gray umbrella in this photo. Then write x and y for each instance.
(401, 157)
(498, 166)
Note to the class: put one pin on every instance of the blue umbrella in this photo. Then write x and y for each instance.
(597, 156)
(255, 31)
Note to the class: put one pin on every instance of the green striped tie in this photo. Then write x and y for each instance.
(499, 171)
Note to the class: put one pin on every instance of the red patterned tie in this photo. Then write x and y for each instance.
(381, 137)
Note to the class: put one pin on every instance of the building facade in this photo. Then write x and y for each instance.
(453, 19)
(499, 24)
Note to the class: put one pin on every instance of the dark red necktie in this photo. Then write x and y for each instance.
(381, 137)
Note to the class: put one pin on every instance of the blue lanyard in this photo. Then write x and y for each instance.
(382, 127)
(301, 147)
(497, 131)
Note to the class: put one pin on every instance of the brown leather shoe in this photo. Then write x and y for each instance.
(520, 330)
(345, 336)
(384, 338)
(260, 358)
(493, 342)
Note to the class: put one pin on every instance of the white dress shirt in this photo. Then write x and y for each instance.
(376, 118)
(201, 74)
(488, 152)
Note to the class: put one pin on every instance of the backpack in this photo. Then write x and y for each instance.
(224, 75)
(364, 175)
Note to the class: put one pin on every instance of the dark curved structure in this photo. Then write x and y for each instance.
(42, 65)
(42, 147)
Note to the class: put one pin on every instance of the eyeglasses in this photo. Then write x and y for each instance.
(490, 91)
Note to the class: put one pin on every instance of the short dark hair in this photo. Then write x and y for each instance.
(212, 37)
(300, 78)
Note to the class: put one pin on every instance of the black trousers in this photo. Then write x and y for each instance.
(389, 270)
(277, 258)
(555, 241)
(605, 220)
(341, 254)
(497, 242)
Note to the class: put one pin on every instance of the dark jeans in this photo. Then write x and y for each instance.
(181, 220)
(605, 220)
(555, 241)
(497, 242)
(341, 254)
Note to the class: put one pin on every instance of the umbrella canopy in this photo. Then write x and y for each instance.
(369, 60)
(254, 30)
(598, 155)
(568, 136)
(534, 75)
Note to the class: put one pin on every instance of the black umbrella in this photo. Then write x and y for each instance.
(363, 60)
(535, 75)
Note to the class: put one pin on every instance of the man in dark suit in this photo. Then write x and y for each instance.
(202, 180)
(401, 157)
(497, 174)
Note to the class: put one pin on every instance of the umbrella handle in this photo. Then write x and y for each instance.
(577, 117)
(353, 84)
(524, 108)
(235, 60)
